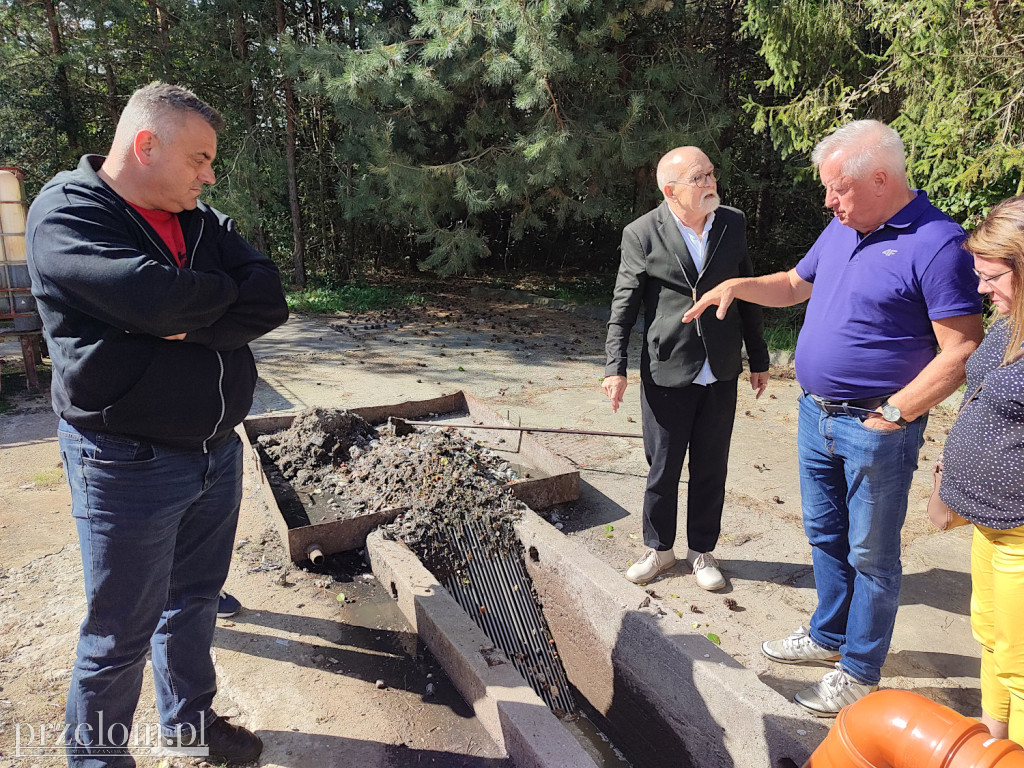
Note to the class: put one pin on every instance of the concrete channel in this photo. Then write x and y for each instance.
(668, 695)
(663, 692)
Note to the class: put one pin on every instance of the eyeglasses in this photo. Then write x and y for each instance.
(989, 280)
(700, 180)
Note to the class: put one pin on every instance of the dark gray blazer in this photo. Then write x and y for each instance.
(657, 272)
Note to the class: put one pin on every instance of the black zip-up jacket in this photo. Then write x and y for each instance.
(657, 272)
(109, 290)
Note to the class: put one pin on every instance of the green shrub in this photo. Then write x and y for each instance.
(350, 298)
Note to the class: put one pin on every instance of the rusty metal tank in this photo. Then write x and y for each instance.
(16, 302)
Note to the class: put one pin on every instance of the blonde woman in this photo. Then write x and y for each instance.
(983, 473)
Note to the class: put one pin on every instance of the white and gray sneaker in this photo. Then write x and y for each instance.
(798, 648)
(650, 565)
(835, 691)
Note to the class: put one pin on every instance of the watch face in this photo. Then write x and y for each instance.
(890, 412)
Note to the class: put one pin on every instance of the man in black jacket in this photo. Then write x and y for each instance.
(688, 373)
(149, 299)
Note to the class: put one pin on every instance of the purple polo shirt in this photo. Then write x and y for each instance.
(867, 331)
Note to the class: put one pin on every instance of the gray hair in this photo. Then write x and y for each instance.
(869, 145)
(162, 108)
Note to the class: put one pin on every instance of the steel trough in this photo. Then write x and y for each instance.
(552, 479)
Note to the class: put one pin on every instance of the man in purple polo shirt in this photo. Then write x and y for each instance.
(888, 284)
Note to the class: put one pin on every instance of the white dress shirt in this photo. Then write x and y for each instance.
(696, 245)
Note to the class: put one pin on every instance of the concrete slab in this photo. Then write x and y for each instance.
(301, 335)
(670, 695)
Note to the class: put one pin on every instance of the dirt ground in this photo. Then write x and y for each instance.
(301, 663)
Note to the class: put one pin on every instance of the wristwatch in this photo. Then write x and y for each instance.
(891, 413)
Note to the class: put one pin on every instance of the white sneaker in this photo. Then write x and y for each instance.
(705, 569)
(797, 648)
(835, 691)
(650, 565)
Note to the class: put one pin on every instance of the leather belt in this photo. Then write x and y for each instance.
(847, 407)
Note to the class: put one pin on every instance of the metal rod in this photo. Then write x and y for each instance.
(529, 603)
(523, 429)
(510, 617)
(522, 608)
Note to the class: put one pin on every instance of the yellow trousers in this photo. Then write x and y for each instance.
(997, 620)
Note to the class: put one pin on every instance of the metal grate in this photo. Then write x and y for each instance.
(492, 586)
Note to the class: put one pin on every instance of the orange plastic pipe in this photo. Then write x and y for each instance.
(901, 729)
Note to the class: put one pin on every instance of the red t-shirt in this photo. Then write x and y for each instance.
(169, 228)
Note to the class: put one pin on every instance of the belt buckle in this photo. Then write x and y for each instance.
(831, 407)
(823, 404)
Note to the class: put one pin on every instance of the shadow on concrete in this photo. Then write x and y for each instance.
(599, 510)
(966, 701)
(669, 716)
(949, 591)
(292, 749)
(402, 755)
(946, 590)
(650, 733)
(930, 664)
(28, 426)
(269, 397)
(796, 575)
(397, 657)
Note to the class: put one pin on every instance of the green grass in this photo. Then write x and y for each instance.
(350, 298)
(782, 326)
(781, 337)
(48, 477)
(584, 291)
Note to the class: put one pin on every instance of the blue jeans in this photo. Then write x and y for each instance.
(156, 527)
(854, 483)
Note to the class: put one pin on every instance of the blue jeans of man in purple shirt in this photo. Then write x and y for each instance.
(855, 543)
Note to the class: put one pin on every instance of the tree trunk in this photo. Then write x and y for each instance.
(259, 237)
(290, 131)
(242, 48)
(109, 77)
(60, 77)
(764, 217)
(164, 43)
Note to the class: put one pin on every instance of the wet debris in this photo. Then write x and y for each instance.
(337, 466)
(317, 441)
(493, 656)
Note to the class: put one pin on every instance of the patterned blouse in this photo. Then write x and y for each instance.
(983, 461)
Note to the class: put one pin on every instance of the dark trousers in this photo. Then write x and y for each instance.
(156, 527)
(676, 419)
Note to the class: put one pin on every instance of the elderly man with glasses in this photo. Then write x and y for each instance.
(688, 373)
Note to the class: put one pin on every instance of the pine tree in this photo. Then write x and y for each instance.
(946, 75)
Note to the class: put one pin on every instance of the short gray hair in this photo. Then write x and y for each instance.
(161, 108)
(869, 144)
